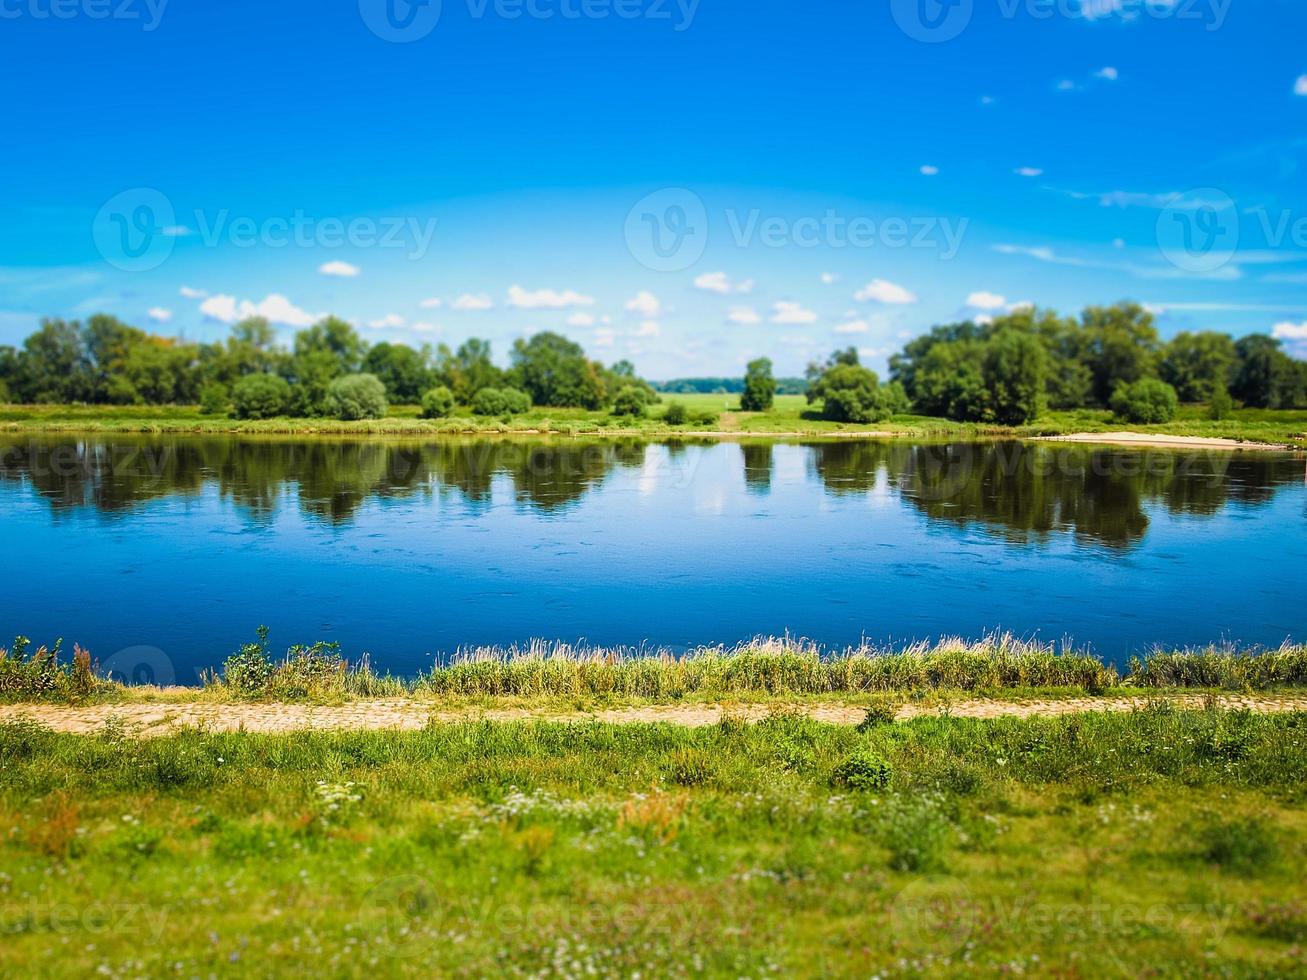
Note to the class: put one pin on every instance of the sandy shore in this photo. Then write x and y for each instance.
(153, 719)
(1160, 440)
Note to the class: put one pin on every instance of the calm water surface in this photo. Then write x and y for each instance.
(160, 555)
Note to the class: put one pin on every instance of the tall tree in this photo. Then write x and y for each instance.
(759, 386)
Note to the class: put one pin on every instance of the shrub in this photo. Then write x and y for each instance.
(1221, 405)
(705, 418)
(630, 401)
(691, 767)
(249, 669)
(675, 414)
(356, 396)
(882, 710)
(500, 401)
(437, 403)
(1147, 401)
(852, 393)
(41, 675)
(215, 399)
(862, 771)
(260, 396)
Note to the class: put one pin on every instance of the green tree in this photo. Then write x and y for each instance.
(759, 386)
(215, 399)
(853, 393)
(1148, 401)
(1015, 372)
(1197, 365)
(555, 371)
(500, 401)
(260, 396)
(335, 337)
(630, 401)
(403, 370)
(54, 365)
(437, 403)
(949, 383)
(1265, 376)
(356, 396)
(1122, 346)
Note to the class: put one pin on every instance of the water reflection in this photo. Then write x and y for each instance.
(1024, 492)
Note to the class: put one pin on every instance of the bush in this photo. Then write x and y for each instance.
(437, 403)
(356, 396)
(675, 414)
(630, 401)
(215, 399)
(260, 396)
(852, 393)
(862, 771)
(1147, 401)
(500, 401)
(882, 710)
(916, 833)
(1221, 406)
(705, 418)
(248, 670)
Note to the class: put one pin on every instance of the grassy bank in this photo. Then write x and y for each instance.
(791, 415)
(1153, 843)
(762, 667)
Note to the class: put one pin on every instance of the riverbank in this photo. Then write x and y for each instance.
(1157, 841)
(790, 417)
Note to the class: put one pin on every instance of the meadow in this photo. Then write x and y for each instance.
(709, 414)
(1153, 843)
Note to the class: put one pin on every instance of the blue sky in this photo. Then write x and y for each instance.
(817, 175)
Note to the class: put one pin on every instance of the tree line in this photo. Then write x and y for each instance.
(1010, 369)
(328, 370)
(1007, 370)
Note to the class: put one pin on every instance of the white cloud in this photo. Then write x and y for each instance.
(787, 312)
(391, 321)
(855, 326)
(644, 303)
(190, 293)
(1290, 331)
(986, 301)
(342, 270)
(986, 100)
(717, 282)
(649, 328)
(929, 170)
(471, 301)
(1020, 305)
(580, 320)
(604, 337)
(829, 278)
(1108, 74)
(424, 327)
(275, 308)
(550, 299)
(1300, 87)
(883, 291)
(432, 303)
(1066, 85)
(984, 320)
(159, 315)
(744, 316)
(1028, 172)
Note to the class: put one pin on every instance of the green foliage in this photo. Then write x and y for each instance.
(1147, 401)
(852, 393)
(40, 676)
(437, 403)
(862, 771)
(305, 671)
(916, 833)
(630, 401)
(500, 401)
(882, 709)
(403, 371)
(554, 371)
(260, 396)
(759, 386)
(1265, 376)
(1015, 371)
(215, 399)
(675, 413)
(1198, 366)
(356, 396)
(1221, 405)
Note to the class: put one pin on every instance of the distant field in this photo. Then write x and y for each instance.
(791, 415)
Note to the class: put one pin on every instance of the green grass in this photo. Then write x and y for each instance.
(791, 415)
(782, 667)
(1151, 843)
